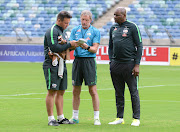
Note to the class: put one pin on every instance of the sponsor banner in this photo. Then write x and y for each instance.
(174, 56)
(22, 53)
(101, 55)
(152, 55)
(35, 53)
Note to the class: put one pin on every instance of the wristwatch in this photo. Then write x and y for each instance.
(88, 48)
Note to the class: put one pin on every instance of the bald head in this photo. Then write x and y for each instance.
(121, 10)
(120, 15)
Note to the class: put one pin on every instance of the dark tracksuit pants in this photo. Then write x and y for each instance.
(120, 74)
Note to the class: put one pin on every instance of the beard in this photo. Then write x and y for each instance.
(85, 26)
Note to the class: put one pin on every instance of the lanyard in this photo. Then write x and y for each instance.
(83, 34)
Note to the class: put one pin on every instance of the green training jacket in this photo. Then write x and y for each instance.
(125, 43)
(51, 42)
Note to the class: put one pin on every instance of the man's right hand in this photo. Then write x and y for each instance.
(74, 44)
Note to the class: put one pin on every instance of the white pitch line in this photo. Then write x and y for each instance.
(166, 101)
(21, 94)
(71, 91)
(169, 101)
(159, 85)
(174, 101)
(19, 98)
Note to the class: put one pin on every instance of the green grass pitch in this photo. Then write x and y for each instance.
(23, 92)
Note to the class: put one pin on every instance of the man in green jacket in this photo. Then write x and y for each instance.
(56, 84)
(125, 51)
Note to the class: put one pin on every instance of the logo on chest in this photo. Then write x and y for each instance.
(89, 34)
(79, 30)
(125, 31)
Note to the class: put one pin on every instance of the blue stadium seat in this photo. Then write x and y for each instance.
(163, 13)
(46, 9)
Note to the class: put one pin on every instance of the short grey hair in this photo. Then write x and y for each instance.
(86, 12)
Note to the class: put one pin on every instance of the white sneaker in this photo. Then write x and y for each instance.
(74, 121)
(136, 122)
(117, 121)
(97, 122)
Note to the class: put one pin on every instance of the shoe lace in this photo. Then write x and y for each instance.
(53, 121)
(75, 120)
(96, 120)
(135, 120)
(117, 119)
(65, 119)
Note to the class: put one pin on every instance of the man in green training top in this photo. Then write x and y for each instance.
(125, 51)
(56, 83)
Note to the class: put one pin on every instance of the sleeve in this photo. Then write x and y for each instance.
(138, 43)
(97, 37)
(110, 50)
(54, 46)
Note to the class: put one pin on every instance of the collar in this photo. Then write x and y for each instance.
(123, 22)
(60, 28)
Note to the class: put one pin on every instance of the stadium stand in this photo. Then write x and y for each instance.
(157, 19)
(35, 16)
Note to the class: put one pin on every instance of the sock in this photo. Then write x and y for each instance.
(75, 114)
(60, 117)
(50, 118)
(96, 114)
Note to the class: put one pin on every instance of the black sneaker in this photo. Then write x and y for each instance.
(64, 121)
(53, 123)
